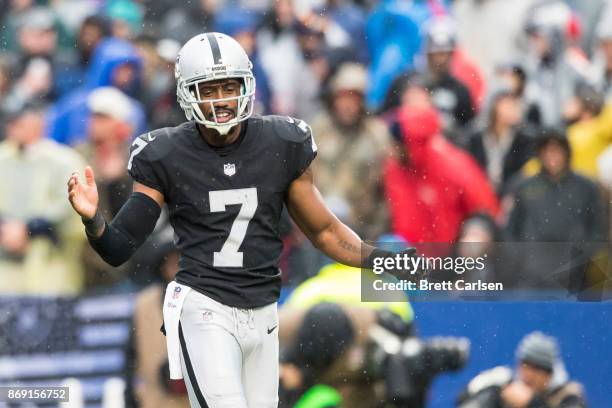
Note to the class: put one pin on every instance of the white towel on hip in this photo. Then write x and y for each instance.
(173, 304)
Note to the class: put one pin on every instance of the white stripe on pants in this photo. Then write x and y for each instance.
(229, 356)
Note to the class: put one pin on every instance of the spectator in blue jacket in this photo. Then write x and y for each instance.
(394, 39)
(114, 63)
(91, 32)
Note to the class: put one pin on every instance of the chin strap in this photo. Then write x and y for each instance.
(222, 129)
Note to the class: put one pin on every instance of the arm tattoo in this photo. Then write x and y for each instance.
(349, 247)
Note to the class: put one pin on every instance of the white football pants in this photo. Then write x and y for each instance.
(229, 356)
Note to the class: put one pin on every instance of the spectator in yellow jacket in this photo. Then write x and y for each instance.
(40, 236)
(589, 131)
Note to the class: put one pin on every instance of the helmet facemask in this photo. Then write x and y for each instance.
(188, 95)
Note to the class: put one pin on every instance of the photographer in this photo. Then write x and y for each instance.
(327, 364)
(339, 285)
(322, 342)
(540, 380)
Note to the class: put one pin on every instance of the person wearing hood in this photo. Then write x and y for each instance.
(394, 39)
(114, 63)
(432, 186)
(554, 68)
(91, 32)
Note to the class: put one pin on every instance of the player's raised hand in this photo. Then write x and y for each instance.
(83, 197)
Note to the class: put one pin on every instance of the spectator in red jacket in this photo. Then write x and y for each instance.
(432, 186)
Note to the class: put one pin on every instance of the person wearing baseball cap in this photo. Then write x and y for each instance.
(354, 143)
(450, 95)
(108, 135)
(111, 102)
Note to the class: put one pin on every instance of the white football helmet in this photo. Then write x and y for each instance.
(210, 57)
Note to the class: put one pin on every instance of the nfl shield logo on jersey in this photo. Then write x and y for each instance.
(177, 292)
(229, 169)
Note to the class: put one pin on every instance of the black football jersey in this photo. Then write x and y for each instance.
(225, 203)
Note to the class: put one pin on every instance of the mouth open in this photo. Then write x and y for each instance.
(223, 115)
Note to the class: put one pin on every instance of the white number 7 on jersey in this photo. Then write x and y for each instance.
(229, 256)
(140, 144)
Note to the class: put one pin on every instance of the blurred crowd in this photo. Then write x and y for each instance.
(436, 121)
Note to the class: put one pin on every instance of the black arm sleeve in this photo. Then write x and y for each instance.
(128, 230)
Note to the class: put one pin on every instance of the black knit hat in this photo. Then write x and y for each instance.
(325, 334)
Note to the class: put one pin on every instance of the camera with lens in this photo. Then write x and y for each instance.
(407, 364)
(485, 389)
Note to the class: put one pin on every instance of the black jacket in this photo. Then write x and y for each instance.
(568, 210)
(519, 153)
(563, 223)
(569, 395)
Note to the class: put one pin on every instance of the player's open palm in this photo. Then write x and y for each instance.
(83, 197)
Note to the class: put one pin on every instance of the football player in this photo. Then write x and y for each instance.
(225, 176)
